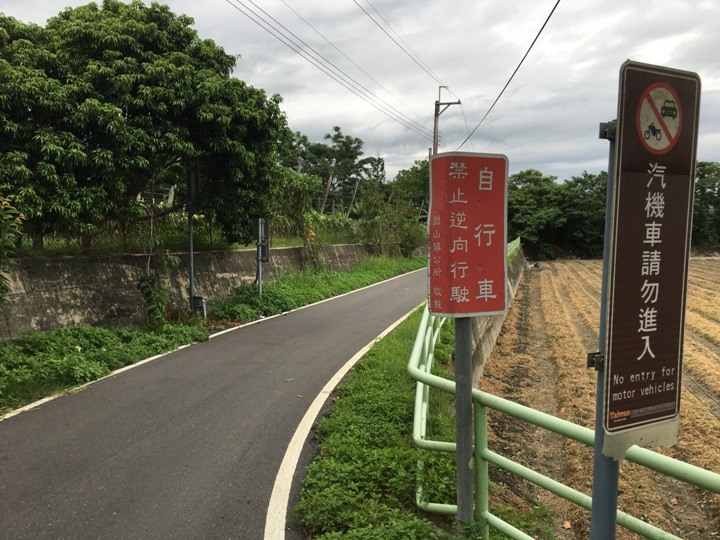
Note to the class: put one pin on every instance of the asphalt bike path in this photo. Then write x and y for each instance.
(189, 444)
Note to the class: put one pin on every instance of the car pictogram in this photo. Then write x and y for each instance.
(668, 109)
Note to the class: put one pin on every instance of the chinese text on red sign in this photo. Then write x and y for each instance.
(467, 226)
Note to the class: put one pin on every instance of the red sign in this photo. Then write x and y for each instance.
(468, 235)
(650, 245)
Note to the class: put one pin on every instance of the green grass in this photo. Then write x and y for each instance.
(297, 289)
(362, 483)
(40, 364)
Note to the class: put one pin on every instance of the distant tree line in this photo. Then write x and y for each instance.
(567, 219)
(107, 103)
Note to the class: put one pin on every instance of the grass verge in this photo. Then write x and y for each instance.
(39, 364)
(299, 288)
(362, 483)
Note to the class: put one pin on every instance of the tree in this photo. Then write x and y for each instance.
(706, 210)
(535, 214)
(10, 222)
(413, 185)
(583, 201)
(126, 97)
(343, 167)
(38, 150)
(292, 201)
(371, 176)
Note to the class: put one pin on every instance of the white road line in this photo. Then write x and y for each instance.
(275, 520)
(42, 401)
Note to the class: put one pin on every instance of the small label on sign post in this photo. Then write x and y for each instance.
(261, 229)
(467, 226)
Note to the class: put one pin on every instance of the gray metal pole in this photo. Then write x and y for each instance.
(436, 119)
(191, 246)
(436, 129)
(464, 418)
(261, 235)
(463, 389)
(606, 469)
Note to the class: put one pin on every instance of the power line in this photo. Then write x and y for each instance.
(416, 60)
(420, 126)
(414, 54)
(513, 74)
(296, 44)
(369, 97)
(467, 127)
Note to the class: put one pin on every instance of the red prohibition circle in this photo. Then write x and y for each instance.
(646, 96)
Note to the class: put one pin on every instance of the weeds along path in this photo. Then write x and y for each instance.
(539, 361)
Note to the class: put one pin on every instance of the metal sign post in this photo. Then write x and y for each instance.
(647, 249)
(650, 247)
(606, 469)
(262, 235)
(467, 268)
(193, 189)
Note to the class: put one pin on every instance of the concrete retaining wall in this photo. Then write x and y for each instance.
(487, 329)
(53, 292)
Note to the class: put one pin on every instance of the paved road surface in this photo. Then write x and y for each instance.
(186, 446)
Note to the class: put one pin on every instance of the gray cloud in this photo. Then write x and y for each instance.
(548, 117)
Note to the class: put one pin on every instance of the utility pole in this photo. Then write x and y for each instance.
(438, 112)
(463, 380)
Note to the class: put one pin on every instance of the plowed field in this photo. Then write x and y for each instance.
(540, 361)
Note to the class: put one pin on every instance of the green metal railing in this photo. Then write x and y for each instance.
(420, 369)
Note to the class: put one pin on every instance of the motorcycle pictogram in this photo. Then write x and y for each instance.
(655, 132)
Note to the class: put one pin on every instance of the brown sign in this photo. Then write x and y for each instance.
(650, 244)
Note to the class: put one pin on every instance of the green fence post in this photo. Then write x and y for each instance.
(482, 480)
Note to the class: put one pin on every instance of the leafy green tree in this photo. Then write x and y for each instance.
(37, 147)
(342, 168)
(706, 211)
(370, 179)
(413, 185)
(122, 98)
(535, 213)
(291, 203)
(583, 207)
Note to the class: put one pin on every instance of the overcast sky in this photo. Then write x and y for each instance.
(548, 117)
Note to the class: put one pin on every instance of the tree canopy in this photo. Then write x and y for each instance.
(108, 101)
(706, 211)
(338, 162)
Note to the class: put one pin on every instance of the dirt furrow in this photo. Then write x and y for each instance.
(517, 370)
(539, 361)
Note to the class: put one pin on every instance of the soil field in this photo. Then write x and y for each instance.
(539, 361)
